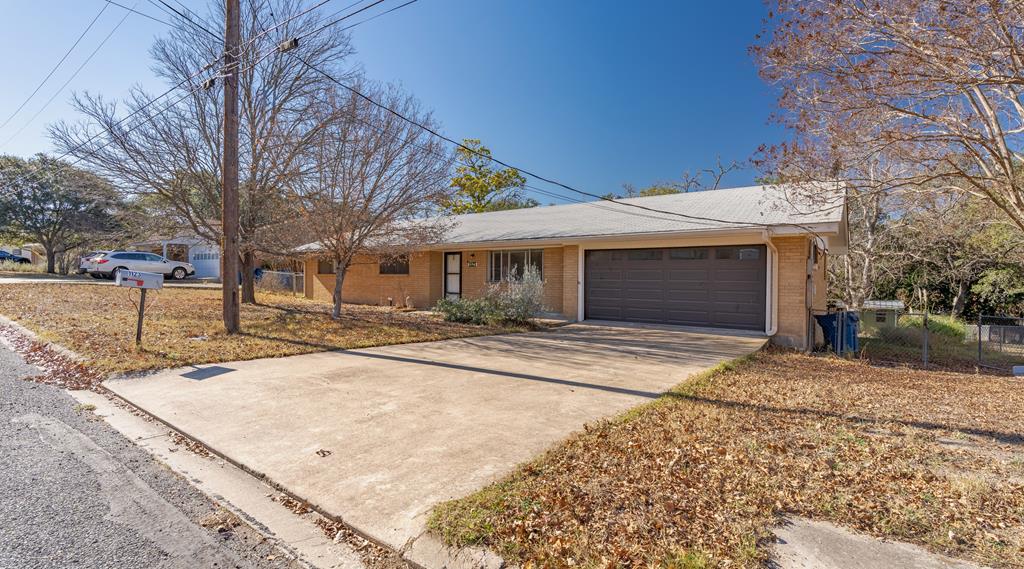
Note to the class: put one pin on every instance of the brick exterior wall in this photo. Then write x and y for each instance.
(570, 281)
(792, 295)
(424, 283)
(553, 258)
(365, 285)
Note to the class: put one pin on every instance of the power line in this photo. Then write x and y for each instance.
(345, 17)
(57, 65)
(134, 11)
(527, 172)
(154, 100)
(184, 17)
(158, 97)
(68, 82)
(374, 17)
(300, 14)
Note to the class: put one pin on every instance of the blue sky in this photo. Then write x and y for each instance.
(595, 94)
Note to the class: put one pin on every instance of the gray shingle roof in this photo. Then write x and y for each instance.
(749, 207)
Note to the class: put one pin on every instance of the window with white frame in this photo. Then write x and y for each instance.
(514, 262)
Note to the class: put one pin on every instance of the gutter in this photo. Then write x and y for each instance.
(773, 285)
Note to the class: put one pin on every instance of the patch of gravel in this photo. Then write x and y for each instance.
(76, 493)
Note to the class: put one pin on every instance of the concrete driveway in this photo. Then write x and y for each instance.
(405, 427)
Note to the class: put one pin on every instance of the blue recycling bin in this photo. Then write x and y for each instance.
(841, 330)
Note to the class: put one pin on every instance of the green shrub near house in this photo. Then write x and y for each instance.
(515, 300)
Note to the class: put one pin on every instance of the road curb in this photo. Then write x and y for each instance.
(21, 329)
(430, 550)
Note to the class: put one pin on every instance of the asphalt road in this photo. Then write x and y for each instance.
(76, 493)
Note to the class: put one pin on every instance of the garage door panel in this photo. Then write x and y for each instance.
(750, 296)
(697, 286)
(687, 308)
(687, 274)
(734, 308)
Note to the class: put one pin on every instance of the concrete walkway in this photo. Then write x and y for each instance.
(808, 544)
(379, 436)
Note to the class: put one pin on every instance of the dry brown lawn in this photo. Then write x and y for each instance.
(698, 478)
(183, 326)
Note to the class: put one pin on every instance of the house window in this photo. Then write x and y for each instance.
(325, 267)
(512, 263)
(880, 317)
(395, 266)
(741, 253)
(688, 254)
(644, 255)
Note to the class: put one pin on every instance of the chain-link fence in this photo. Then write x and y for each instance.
(1000, 342)
(281, 282)
(931, 340)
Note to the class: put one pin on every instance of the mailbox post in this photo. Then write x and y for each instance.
(143, 282)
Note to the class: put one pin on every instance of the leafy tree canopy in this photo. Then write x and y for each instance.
(54, 204)
(480, 187)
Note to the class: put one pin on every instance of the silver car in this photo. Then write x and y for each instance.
(109, 264)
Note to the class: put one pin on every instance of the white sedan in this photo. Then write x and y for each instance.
(107, 265)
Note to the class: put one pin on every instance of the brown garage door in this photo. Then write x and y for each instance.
(721, 287)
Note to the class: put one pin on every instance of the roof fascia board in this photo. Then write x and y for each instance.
(755, 232)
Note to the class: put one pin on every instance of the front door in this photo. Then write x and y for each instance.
(452, 275)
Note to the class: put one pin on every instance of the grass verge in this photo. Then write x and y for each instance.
(698, 477)
(184, 327)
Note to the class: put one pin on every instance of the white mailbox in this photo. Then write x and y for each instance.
(139, 279)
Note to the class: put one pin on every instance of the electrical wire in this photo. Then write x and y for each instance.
(174, 11)
(345, 17)
(134, 11)
(374, 17)
(56, 66)
(528, 172)
(66, 83)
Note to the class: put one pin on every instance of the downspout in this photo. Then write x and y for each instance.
(772, 311)
(812, 255)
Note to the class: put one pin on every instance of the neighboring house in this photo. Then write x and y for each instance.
(202, 254)
(877, 314)
(760, 267)
(31, 251)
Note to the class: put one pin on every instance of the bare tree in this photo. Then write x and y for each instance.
(176, 153)
(936, 82)
(372, 183)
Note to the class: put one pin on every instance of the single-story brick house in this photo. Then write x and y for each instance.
(748, 258)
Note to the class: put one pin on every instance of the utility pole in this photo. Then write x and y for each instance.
(229, 170)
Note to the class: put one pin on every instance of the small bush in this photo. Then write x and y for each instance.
(513, 301)
(947, 326)
(468, 310)
(518, 299)
(12, 267)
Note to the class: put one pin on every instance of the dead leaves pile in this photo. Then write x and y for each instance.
(190, 444)
(705, 472)
(185, 326)
(57, 367)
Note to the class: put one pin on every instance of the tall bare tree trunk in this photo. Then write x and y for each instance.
(249, 277)
(339, 280)
(960, 299)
